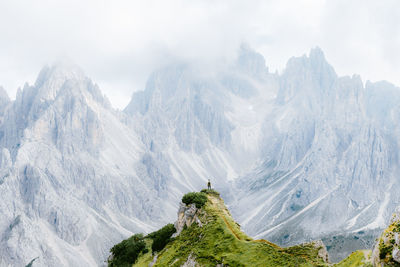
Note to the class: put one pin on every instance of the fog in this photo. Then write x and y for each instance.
(119, 43)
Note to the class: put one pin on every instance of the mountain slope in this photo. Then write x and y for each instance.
(205, 234)
(216, 239)
(72, 177)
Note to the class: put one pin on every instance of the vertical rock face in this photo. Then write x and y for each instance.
(187, 214)
(387, 248)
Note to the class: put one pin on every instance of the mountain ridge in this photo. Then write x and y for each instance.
(297, 148)
(210, 237)
(205, 234)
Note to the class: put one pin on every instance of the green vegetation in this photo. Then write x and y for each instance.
(386, 244)
(215, 238)
(198, 198)
(396, 227)
(127, 252)
(356, 259)
(385, 251)
(161, 237)
(210, 191)
(220, 240)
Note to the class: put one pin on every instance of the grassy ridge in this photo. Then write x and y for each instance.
(220, 240)
(357, 258)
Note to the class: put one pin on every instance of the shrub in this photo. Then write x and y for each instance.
(397, 227)
(127, 252)
(384, 250)
(195, 198)
(161, 237)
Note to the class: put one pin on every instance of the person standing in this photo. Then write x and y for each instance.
(209, 184)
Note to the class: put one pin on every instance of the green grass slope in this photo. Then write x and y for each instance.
(356, 259)
(220, 241)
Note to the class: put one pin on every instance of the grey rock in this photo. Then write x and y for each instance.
(187, 215)
(153, 261)
(190, 262)
(396, 254)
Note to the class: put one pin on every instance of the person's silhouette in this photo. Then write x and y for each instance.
(209, 184)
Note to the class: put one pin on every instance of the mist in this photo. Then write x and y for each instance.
(119, 43)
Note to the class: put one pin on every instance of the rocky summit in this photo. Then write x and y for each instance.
(210, 237)
(205, 234)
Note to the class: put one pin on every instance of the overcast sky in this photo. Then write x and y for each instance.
(118, 43)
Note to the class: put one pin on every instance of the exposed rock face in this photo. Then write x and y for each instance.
(322, 252)
(396, 253)
(387, 248)
(153, 261)
(191, 262)
(187, 214)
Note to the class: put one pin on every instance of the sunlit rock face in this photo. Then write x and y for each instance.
(297, 156)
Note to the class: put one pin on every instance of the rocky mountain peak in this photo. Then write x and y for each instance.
(316, 54)
(315, 62)
(4, 98)
(311, 76)
(63, 78)
(250, 61)
(3, 95)
(61, 70)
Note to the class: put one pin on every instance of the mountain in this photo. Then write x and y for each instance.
(73, 178)
(208, 236)
(306, 154)
(297, 156)
(330, 158)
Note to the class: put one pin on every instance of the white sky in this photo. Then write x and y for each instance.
(118, 43)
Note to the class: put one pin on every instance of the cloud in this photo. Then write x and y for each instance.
(118, 43)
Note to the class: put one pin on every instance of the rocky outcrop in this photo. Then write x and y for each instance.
(151, 264)
(191, 262)
(322, 251)
(187, 214)
(387, 249)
